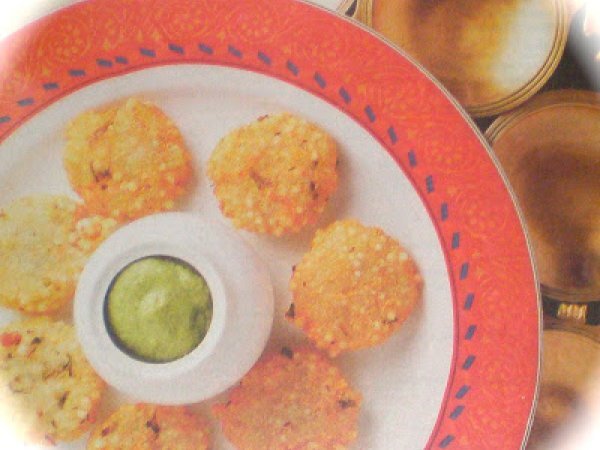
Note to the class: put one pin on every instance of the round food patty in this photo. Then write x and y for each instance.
(354, 288)
(274, 175)
(292, 400)
(150, 427)
(49, 391)
(127, 161)
(45, 241)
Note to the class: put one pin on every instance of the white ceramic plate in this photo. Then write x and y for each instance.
(409, 162)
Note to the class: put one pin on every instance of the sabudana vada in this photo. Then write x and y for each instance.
(354, 288)
(148, 427)
(296, 399)
(127, 161)
(49, 391)
(45, 241)
(274, 175)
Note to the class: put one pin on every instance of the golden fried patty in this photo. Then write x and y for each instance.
(48, 390)
(274, 175)
(127, 161)
(292, 400)
(44, 243)
(151, 427)
(354, 288)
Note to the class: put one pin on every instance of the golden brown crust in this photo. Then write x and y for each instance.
(354, 288)
(48, 390)
(127, 161)
(274, 175)
(45, 241)
(144, 426)
(292, 400)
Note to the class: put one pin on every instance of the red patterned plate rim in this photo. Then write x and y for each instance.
(491, 390)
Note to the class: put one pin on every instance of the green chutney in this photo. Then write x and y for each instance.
(158, 309)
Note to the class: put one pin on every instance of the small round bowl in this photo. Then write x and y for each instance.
(242, 298)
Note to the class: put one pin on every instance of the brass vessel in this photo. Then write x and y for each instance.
(492, 55)
(550, 151)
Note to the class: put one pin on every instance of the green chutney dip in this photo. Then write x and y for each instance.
(158, 309)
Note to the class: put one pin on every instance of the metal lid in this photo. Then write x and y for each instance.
(492, 55)
(550, 151)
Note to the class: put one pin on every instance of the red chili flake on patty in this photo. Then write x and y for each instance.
(9, 339)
